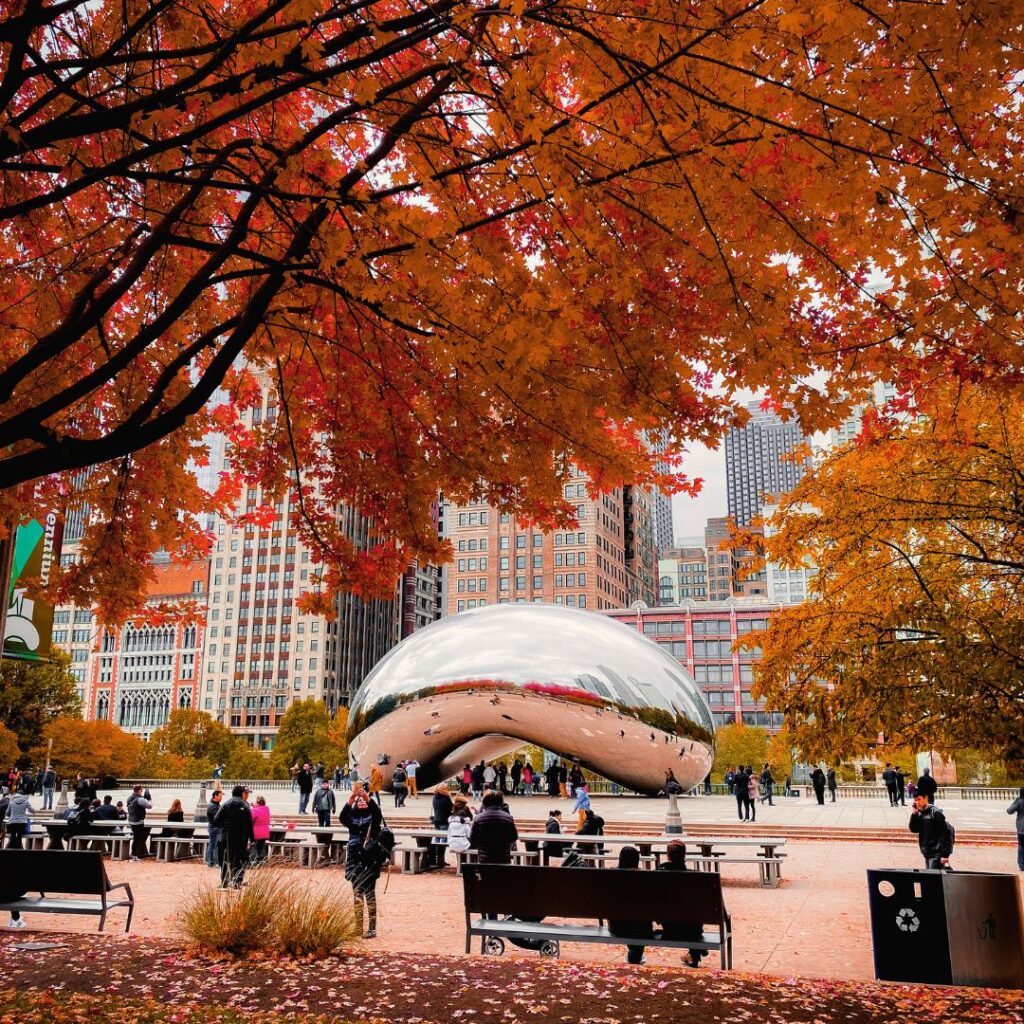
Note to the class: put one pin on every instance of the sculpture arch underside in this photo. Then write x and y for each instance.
(589, 691)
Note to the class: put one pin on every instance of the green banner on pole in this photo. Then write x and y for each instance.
(29, 628)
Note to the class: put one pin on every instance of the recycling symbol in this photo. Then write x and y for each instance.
(907, 920)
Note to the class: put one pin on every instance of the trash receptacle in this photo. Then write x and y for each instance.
(947, 927)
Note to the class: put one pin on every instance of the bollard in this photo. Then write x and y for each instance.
(62, 800)
(673, 819)
(200, 814)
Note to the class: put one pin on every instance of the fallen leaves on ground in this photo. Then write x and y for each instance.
(109, 980)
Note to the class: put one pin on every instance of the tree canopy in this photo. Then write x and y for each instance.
(190, 744)
(33, 694)
(97, 749)
(470, 244)
(916, 630)
(307, 733)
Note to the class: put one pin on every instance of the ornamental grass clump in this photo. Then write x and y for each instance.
(314, 920)
(270, 914)
(234, 921)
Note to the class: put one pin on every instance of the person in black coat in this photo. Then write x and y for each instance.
(629, 860)
(927, 786)
(675, 860)
(934, 836)
(740, 783)
(553, 827)
(440, 812)
(832, 784)
(364, 858)
(551, 775)
(818, 782)
(304, 780)
(901, 786)
(493, 832)
(235, 823)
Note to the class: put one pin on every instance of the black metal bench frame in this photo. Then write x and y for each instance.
(676, 899)
(78, 873)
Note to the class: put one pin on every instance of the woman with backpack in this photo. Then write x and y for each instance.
(365, 855)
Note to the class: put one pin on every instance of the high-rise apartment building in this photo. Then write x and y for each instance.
(705, 639)
(139, 673)
(759, 462)
(606, 562)
(664, 531)
(729, 564)
(682, 576)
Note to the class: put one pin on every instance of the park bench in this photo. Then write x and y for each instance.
(115, 844)
(70, 873)
(520, 902)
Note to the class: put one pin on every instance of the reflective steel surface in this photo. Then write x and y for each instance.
(587, 688)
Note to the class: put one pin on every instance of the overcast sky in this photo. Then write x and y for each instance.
(690, 514)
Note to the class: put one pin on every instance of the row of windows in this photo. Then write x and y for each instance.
(703, 627)
(63, 617)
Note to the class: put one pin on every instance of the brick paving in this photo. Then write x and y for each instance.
(814, 925)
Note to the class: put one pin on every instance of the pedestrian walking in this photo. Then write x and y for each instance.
(935, 836)
(234, 819)
(399, 787)
(889, 779)
(138, 804)
(261, 829)
(752, 792)
(927, 786)
(324, 804)
(582, 803)
(741, 791)
(411, 767)
(49, 782)
(528, 779)
(1017, 807)
(213, 843)
(376, 782)
(767, 784)
(304, 780)
(365, 856)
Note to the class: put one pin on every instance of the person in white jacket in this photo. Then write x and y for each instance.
(459, 825)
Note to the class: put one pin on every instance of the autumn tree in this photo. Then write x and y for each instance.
(307, 732)
(916, 629)
(33, 694)
(737, 744)
(10, 752)
(191, 743)
(98, 749)
(468, 246)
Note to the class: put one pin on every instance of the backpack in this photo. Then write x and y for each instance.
(947, 846)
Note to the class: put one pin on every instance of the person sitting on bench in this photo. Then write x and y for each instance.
(676, 861)
(629, 860)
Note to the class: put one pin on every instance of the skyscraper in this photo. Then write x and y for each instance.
(664, 533)
(759, 463)
(606, 562)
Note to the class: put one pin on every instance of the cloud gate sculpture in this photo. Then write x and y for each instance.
(483, 683)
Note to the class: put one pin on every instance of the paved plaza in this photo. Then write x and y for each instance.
(852, 812)
(814, 925)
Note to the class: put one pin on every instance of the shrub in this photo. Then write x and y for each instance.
(233, 920)
(314, 920)
(270, 913)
